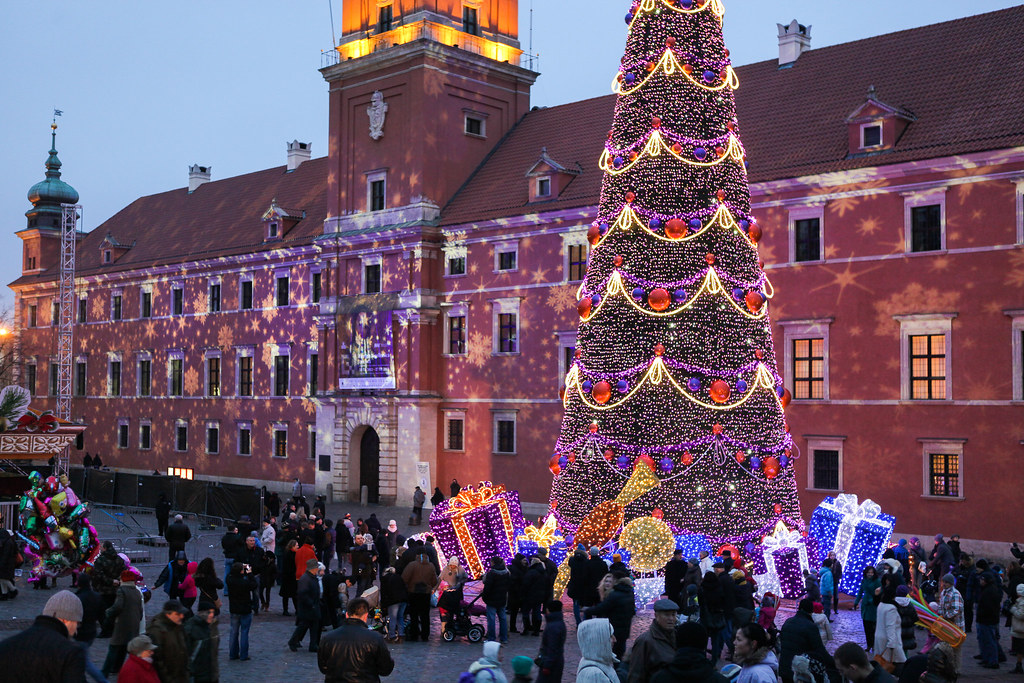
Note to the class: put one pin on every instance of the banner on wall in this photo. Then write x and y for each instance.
(423, 479)
(368, 355)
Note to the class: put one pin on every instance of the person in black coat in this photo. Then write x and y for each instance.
(354, 652)
(307, 609)
(712, 613)
(163, 513)
(618, 607)
(550, 575)
(240, 584)
(177, 535)
(691, 661)
(728, 585)
(437, 498)
(8, 562)
(44, 651)
(552, 645)
(800, 636)
(535, 584)
(986, 619)
(516, 570)
(577, 586)
(675, 571)
(394, 599)
(93, 611)
(497, 581)
(330, 601)
(595, 572)
(455, 487)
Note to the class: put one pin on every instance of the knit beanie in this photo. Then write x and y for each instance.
(950, 579)
(522, 665)
(63, 605)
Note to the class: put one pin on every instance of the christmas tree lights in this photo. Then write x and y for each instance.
(675, 372)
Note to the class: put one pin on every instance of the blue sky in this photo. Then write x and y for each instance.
(148, 88)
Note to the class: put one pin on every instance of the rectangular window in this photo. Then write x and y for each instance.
(371, 276)
(507, 333)
(82, 310)
(543, 187)
(455, 432)
(377, 195)
(213, 440)
(926, 228)
(213, 299)
(470, 22)
(474, 126)
(145, 377)
(872, 136)
(457, 335)
(506, 436)
(384, 18)
(122, 435)
(272, 230)
(145, 437)
(281, 375)
(30, 379)
(245, 440)
(53, 377)
(146, 305)
(245, 376)
(507, 260)
(115, 307)
(314, 374)
(280, 443)
(311, 438)
(213, 376)
(944, 474)
(807, 239)
(826, 470)
(32, 316)
(809, 368)
(115, 378)
(457, 265)
(316, 291)
(282, 290)
(177, 301)
(175, 385)
(928, 366)
(569, 358)
(180, 472)
(181, 437)
(80, 378)
(577, 262)
(246, 295)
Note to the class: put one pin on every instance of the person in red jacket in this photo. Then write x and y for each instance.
(305, 553)
(138, 668)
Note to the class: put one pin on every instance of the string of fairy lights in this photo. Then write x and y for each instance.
(675, 368)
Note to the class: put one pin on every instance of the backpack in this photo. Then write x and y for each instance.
(468, 677)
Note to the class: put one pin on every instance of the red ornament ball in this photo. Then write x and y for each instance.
(741, 457)
(561, 394)
(786, 398)
(778, 509)
(754, 301)
(633, 155)
(731, 126)
(771, 467)
(651, 66)
(602, 392)
(657, 513)
(718, 428)
(754, 233)
(578, 354)
(721, 195)
(584, 307)
(617, 260)
(656, 122)
(630, 196)
(594, 235)
(720, 151)
(659, 299)
(554, 466)
(609, 454)
(677, 149)
(554, 504)
(675, 229)
(759, 354)
(687, 458)
(593, 428)
(670, 41)
(720, 391)
(710, 258)
(572, 458)
(646, 460)
(659, 350)
(687, 69)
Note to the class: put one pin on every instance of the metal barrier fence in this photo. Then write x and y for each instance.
(9, 515)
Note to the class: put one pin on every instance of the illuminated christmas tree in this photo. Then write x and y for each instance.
(675, 368)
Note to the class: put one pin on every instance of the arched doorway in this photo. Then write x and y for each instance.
(369, 464)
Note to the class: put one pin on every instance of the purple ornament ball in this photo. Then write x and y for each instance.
(563, 461)
(695, 224)
(784, 460)
(709, 77)
(693, 384)
(666, 464)
(780, 390)
(755, 463)
(622, 461)
(587, 385)
(630, 78)
(700, 153)
(679, 296)
(737, 294)
(655, 224)
(639, 294)
(622, 386)
(741, 386)
(617, 162)
(744, 226)
(595, 300)
(629, 18)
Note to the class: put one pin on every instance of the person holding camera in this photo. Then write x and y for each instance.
(240, 585)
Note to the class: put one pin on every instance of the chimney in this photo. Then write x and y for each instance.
(197, 175)
(297, 153)
(794, 40)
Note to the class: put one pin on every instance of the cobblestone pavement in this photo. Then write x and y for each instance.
(414, 662)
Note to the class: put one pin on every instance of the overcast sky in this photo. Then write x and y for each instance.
(148, 88)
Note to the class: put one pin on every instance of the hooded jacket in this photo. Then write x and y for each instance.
(597, 662)
(487, 669)
(171, 655)
(762, 666)
(497, 581)
(908, 617)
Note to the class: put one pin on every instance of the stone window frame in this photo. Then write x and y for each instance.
(941, 445)
(504, 415)
(813, 328)
(451, 414)
(823, 442)
(913, 200)
(925, 324)
(450, 310)
(507, 305)
(801, 213)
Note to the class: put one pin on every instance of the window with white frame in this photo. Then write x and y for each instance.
(123, 425)
(943, 466)
(175, 373)
(870, 135)
(455, 330)
(543, 186)
(455, 430)
(924, 219)
(475, 124)
(83, 309)
(144, 374)
(116, 307)
(506, 257)
(575, 251)
(113, 374)
(244, 370)
(1017, 348)
(282, 279)
(181, 435)
(805, 358)
(212, 373)
(279, 435)
(504, 431)
(505, 326)
(31, 316)
(213, 296)
(244, 438)
(925, 358)
(245, 292)
(455, 260)
(315, 286)
(212, 437)
(825, 465)
(566, 353)
(281, 360)
(806, 233)
(146, 302)
(376, 190)
(145, 435)
(372, 273)
(81, 379)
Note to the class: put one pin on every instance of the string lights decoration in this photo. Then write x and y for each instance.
(478, 524)
(858, 533)
(675, 365)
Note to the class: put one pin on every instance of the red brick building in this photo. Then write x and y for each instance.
(411, 306)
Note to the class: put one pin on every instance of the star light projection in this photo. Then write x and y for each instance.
(675, 367)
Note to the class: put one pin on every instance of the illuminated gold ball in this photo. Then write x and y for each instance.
(650, 543)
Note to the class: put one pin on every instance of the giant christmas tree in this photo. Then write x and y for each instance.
(675, 368)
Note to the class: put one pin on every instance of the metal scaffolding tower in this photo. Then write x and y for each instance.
(65, 329)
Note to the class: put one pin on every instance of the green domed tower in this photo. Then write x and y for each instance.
(47, 195)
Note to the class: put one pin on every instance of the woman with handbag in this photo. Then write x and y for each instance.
(207, 583)
(888, 647)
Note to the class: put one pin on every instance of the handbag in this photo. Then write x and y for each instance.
(885, 663)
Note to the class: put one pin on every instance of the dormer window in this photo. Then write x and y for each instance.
(272, 230)
(544, 187)
(871, 135)
(277, 220)
(106, 256)
(547, 178)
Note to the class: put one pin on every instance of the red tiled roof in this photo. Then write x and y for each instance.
(221, 218)
(959, 78)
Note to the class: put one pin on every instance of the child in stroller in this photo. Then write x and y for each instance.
(455, 616)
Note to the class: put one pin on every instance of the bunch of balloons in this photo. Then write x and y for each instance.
(57, 534)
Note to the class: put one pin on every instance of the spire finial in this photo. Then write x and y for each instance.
(871, 92)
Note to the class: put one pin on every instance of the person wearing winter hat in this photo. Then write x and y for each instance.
(597, 661)
(655, 648)
(951, 608)
(138, 668)
(521, 668)
(487, 669)
(44, 651)
(171, 656)
(203, 641)
(691, 661)
(127, 616)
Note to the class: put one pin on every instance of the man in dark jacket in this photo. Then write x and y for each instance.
(250, 554)
(723, 569)
(516, 570)
(177, 535)
(799, 636)
(691, 661)
(106, 576)
(987, 621)
(534, 590)
(124, 617)
(550, 574)
(230, 543)
(618, 607)
(307, 609)
(675, 571)
(202, 641)
(964, 574)
(171, 655)
(44, 651)
(655, 649)
(163, 513)
(353, 652)
(941, 559)
(239, 586)
(420, 579)
(552, 645)
(495, 595)
(92, 614)
(852, 661)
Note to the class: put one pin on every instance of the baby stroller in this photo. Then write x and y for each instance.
(455, 617)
